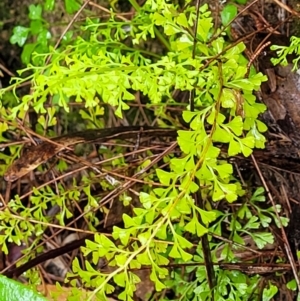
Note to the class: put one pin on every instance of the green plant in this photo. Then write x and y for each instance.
(37, 38)
(284, 51)
(106, 67)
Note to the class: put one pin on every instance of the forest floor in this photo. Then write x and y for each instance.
(278, 167)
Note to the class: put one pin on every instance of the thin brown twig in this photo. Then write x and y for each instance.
(2, 67)
(286, 198)
(255, 55)
(287, 8)
(67, 28)
(108, 11)
(141, 108)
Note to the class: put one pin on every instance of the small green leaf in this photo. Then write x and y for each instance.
(170, 29)
(72, 6)
(263, 238)
(11, 290)
(188, 116)
(234, 148)
(257, 79)
(143, 258)
(201, 230)
(227, 98)
(207, 216)
(204, 27)
(162, 260)
(159, 286)
(184, 243)
(149, 217)
(224, 170)
(195, 227)
(103, 241)
(205, 173)
(185, 255)
(27, 52)
(220, 135)
(269, 293)
(241, 287)
(258, 195)
(122, 234)
(265, 220)
(49, 5)
(252, 224)
(228, 13)
(243, 84)
(164, 176)
(237, 238)
(43, 37)
(159, 19)
(261, 126)
(227, 253)
(174, 253)
(20, 35)
(186, 141)
(178, 164)
(144, 237)
(218, 45)
(183, 42)
(212, 116)
(218, 194)
(188, 185)
(213, 152)
(126, 295)
(236, 125)
(284, 221)
(120, 259)
(128, 221)
(120, 279)
(146, 199)
(260, 140)
(243, 145)
(292, 285)
(240, 72)
(36, 26)
(191, 226)
(182, 20)
(35, 12)
(248, 141)
(222, 190)
(162, 232)
(184, 206)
